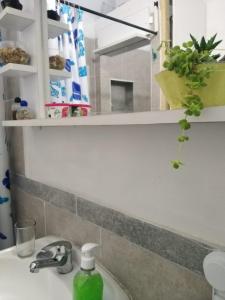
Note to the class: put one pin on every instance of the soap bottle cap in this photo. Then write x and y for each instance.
(23, 103)
(87, 258)
(17, 100)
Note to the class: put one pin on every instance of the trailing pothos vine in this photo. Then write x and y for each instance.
(191, 61)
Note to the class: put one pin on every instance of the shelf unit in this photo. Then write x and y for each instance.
(24, 26)
(214, 114)
(56, 28)
(12, 19)
(32, 29)
(16, 70)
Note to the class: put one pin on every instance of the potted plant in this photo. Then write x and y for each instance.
(193, 79)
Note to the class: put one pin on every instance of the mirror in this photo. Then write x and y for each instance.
(120, 61)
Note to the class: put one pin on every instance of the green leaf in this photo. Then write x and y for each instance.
(215, 45)
(166, 64)
(195, 42)
(190, 44)
(188, 112)
(212, 39)
(216, 56)
(176, 164)
(197, 113)
(203, 44)
(184, 124)
(183, 138)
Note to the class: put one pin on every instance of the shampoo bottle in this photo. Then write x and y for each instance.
(88, 283)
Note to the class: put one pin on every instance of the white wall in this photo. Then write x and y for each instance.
(202, 17)
(127, 168)
(189, 17)
(134, 11)
(216, 21)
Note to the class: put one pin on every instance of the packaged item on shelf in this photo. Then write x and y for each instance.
(58, 110)
(12, 52)
(12, 3)
(52, 14)
(65, 110)
(57, 62)
(15, 107)
(80, 110)
(23, 112)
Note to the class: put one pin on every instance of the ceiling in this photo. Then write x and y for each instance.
(104, 6)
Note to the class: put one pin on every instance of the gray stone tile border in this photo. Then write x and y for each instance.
(49, 194)
(174, 247)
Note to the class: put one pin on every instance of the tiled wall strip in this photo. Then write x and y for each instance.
(176, 248)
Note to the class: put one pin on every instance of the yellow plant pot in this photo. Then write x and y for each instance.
(174, 88)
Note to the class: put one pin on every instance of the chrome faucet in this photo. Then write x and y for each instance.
(57, 254)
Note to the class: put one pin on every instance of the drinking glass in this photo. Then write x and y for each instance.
(25, 237)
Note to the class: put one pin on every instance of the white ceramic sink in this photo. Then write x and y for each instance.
(17, 283)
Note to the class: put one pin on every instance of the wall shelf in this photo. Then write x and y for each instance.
(59, 75)
(130, 43)
(56, 28)
(214, 114)
(14, 19)
(16, 70)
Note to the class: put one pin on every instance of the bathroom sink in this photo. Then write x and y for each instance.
(17, 283)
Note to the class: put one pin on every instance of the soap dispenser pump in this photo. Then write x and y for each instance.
(88, 283)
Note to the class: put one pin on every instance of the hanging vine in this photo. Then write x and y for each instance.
(192, 62)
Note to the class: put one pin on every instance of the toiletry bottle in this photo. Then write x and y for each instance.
(88, 283)
(23, 111)
(15, 107)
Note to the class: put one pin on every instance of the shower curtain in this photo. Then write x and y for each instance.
(71, 46)
(6, 228)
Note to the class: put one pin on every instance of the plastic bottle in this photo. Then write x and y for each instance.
(88, 283)
(23, 111)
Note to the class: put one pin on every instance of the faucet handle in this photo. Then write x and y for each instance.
(44, 254)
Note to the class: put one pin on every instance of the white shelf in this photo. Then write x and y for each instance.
(56, 28)
(14, 19)
(130, 43)
(214, 114)
(59, 75)
(17, 70)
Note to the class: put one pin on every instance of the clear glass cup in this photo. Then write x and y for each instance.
(25, 237)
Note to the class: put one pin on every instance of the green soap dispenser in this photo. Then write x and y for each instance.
(88, 283)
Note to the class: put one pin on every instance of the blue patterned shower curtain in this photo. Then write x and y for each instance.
(6, 228)
(72, 47)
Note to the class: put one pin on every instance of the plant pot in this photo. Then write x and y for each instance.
(11, 3)
(174, 88)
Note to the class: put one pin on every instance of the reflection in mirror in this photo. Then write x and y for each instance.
(119, 62)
